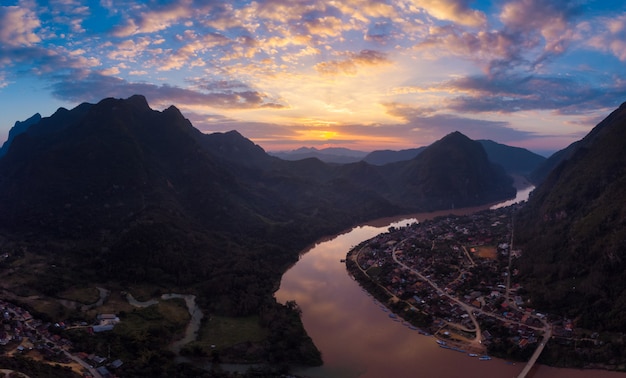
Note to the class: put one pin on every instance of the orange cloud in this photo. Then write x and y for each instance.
(457, 11)
(349, 65)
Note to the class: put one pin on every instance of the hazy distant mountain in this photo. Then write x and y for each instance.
(573, 231)
(514, 160)
(328, 155)
(452, 172)
(382, 157)
(543, 170)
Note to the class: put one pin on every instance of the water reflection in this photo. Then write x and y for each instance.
(522, 195)
(358, 339)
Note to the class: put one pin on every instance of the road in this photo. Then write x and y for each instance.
(8, 372)
(469, 309)
(94, 373)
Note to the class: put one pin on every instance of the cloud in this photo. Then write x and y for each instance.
(611, 36)
(364, 10)
(511, 93)
(143, 20)
(551, 19)
(93, 87)
(430, 126)
(189, 53)
(18, 26)
(492, 49)
(532, 32)
(514, 93)
(130, 49)
(3, 81)
(457, 11)
(110, 71)
(380, 31)
(349, 65)
(42, 61)
(260, 132)
(545, 16)
(68, 12)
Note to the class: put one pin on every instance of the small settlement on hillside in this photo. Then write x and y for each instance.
(21, 333)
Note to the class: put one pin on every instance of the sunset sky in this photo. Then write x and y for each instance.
(361, 74)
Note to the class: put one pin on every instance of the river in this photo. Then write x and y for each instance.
(358, 339)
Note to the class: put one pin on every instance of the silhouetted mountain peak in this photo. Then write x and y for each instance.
(30, 121)
(124, 192)
(455, 135)
(233, 147)
(455, 171)
(18, 128)
(139, 101)
(549, 165)
(173, 110)
(455, 148)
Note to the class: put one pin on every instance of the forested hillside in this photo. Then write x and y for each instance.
(573, 231)
(116, 192)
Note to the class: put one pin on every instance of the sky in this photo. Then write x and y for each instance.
(360, 74)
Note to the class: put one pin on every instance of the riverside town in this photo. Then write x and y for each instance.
(454, 278)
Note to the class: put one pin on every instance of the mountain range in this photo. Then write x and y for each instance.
(514, 160)
(118, 192)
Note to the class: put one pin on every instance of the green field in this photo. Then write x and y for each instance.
(224, 332)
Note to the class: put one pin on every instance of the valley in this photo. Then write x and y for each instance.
(112, 200)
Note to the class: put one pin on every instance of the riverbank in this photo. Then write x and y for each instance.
(426, 274)
(358, 338)
(436, 270)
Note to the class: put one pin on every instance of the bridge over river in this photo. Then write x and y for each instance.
(537, 353)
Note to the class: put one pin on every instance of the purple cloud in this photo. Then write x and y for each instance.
(512, 93)
(93, 87)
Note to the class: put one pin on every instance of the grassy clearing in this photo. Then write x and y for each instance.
(165, 319)
(373, 271)
(50, 307)
(84, 295)
(114, 303)
(145, 293)
(224, 332)
(174, 311)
